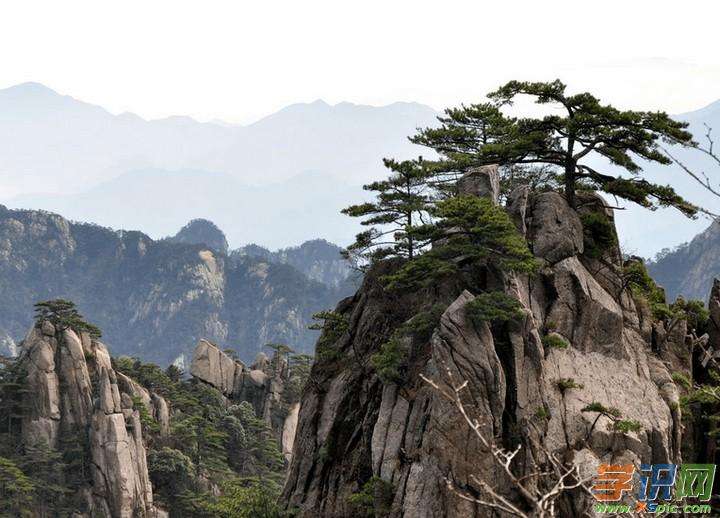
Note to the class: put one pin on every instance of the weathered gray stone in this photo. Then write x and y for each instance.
(60, 395)
(556, 232)
(213, 366)
(289, 429)
(481, 181)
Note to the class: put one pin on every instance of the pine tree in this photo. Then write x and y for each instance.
(480, 134)
(16, 490)
(466, 230)
(64, 315)
(402, 202)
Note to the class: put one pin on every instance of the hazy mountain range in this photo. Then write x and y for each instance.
(156, 299)
(277, 182)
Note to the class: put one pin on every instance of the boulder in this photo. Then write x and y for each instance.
(213, 366)
(483, 181)
(556, 231)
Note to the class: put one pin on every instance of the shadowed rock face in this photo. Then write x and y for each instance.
(352, 426)
(73, 390)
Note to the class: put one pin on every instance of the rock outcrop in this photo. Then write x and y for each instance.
(73, 391)
(262, 385)
(526, 390)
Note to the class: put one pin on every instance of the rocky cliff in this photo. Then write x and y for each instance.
(265, 384)
(583, 378)
(153, 299)
(75, 399)
(689, 269)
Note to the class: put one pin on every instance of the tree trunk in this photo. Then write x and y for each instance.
(570, 173)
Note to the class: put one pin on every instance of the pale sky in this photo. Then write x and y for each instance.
(238, 61)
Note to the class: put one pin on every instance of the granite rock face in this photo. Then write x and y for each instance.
(262, 385)
(525, 393)
(73, 390)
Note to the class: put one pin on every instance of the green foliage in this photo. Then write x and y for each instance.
(681, 379)
(170, 469)
(149, 424)
(300, 367)
(373, 500)
(693, 311)
(333, 326)
(602, 409)
(567, 141)
(390, 361)
(626, 426)
(209, 441)
(555, 341)
(616, 423)
(249, 498)
(564, 384)
(64, 315)
(55, 473)
(642, 286)
(542, 413)
(636, 277)
(16, 490)
(598, 234)
(494, 306)
(467, 230)
(402, 202)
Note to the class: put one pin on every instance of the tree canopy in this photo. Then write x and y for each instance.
(481, 134)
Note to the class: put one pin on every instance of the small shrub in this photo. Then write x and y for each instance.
(389, 359)
(146, 420)
(626, 426)
(542, 413)
(494, 306)
(373, 500)
(681, 379)
(333, 325)
(602, 409)
(568, 383)
(599, 234)
(551, 326)
(642, 286)
(555, 341)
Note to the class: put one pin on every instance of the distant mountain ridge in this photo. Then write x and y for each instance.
(689, 269)
(318, 259)
(74, 158)
(153, 299)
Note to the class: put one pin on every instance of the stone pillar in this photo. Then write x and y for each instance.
(483, 181)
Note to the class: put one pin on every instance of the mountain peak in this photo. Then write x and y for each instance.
(202, 232)
(30, 88)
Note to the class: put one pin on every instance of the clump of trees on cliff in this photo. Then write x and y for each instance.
(421, 196)
(210, 444)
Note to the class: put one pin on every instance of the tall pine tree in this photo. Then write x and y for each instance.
(481, 134)
(402, 202)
